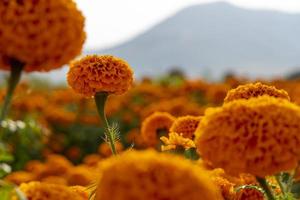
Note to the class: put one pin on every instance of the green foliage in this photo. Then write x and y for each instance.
(85, 137)
(191, 154)
(7, 190)
(18, 136)
(286, 196)
(296, 189)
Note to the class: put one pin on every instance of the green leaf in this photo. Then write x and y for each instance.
(191, 154)
(6, 192)
(296, 189)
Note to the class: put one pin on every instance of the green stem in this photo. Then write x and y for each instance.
(278, 179)
(263, 183)
(15, 75)
(100, 100)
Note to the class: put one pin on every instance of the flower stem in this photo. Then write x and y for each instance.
(265, 186)
(100, 100)
(15, 75)
(278, 179)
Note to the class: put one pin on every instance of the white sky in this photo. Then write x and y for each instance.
(110, 22)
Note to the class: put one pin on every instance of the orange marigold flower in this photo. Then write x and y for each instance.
(175, 140)
(55, 180)
(154, 125)
(259, 136)
(154, 173)
(254, 90)
(56, 165)
(82, 191)
(20, 177)
(35, 166)
(46, 191)
(92, 160)
(93, 74)
(42, 34)
(186, 125)
(80, 175)
(226, 187)
(248, 193)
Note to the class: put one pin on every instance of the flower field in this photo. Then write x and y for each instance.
(109, 136)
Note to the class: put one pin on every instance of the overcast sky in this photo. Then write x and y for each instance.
(110, 22)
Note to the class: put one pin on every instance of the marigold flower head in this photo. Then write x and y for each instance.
(92, 160)
(56, 165)
(20, 177)
(185, 125)
(154, 173)
(226, 187)
(153, 125)
(42, 34)
(175, 140)
(254, 90)
(93, 74)
(55, 180)
(46, 191)
(259, 136)
(80, 175)
(35, 166)
(82, 191)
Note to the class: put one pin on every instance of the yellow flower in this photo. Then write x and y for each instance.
(254, 90)
(186, 125)
(42, 34)
(149, 175)
(93, 74)
(259, 136)
(46, 191)
(155, 124)
(176, 140)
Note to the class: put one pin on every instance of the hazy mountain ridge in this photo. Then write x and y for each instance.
(216, 37)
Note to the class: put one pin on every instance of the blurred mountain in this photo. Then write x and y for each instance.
(214, 38)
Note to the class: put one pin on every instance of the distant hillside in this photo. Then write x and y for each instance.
(212, 38)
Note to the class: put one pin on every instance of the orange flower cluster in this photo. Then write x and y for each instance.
(56, 170)
(257, 136)
(42, 34)
(254, 90)
(46, 191)
(255, 132)
(94, 74)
